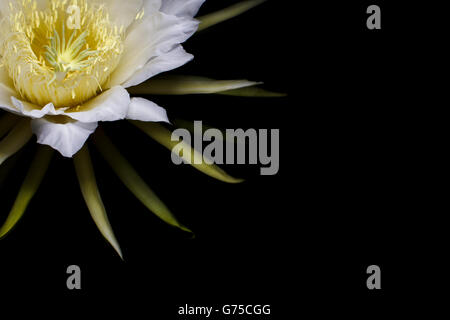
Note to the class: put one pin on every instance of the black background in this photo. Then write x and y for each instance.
(344, 198)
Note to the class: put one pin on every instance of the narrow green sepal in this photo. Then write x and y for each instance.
(31, 184)
(91, 195)
(133, 181)
(164, 136)
(235, 10)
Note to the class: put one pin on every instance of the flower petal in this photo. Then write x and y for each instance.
(181, 8)
(122, 12)
(227, 13)
(165, 62)
(253, 92)
(111, 105)
(15, 140)
(32, 111)
(10, 103)
(145, 110)
(152, 5)
(133, 181)
(91, 195)
(179, 85)
(153, 36)
(67, 138)
(164, 137)
(36, 173)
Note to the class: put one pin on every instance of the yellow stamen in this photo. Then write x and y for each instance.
(49, 62)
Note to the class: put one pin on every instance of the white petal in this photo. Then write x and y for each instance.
(153, 36)
(145, 110)
(10, 103)
(33, 111)
(152, 5)
(181, 8)
(26, 109)
(122, 12)
(165, 62)
(111, 105)
(67, 138)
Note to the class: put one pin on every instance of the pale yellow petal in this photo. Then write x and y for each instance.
(91, 194)
(181, 85)
(36, 173)
(132, 180)
(253, 92)
(163, 136)
(227, 13)
(15, 140)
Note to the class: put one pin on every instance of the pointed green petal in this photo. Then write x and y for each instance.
(6, 123)
(163, 136)
(181, 85)
(227, 13)
(89, 189)
(132, 180)
(15, 140)
(253, 92)
(36, 173)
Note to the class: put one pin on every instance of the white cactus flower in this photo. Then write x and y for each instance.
(67, 80)
(66, 65)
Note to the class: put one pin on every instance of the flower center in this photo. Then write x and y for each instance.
(63, 53)
(65, 57)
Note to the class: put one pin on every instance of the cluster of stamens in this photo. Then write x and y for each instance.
(51, 60)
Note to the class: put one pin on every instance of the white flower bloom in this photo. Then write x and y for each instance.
(67, 80)
(66, 65)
